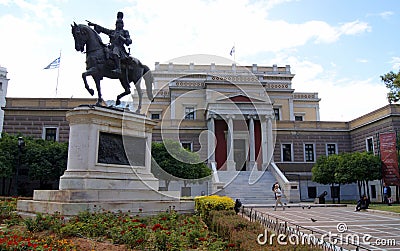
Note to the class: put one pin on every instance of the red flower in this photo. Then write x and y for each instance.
(183, 233)
(231, 245)
(157, 226)
(203, 239)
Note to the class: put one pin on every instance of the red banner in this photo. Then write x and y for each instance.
(390, 167)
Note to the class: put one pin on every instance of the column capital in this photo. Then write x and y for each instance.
(211, 116)
(230, 116)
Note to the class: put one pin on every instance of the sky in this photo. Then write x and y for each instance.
(337, 48)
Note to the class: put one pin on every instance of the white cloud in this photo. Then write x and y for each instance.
(355, 27)
(341, 99)
(395, 63)
(362, 60)
(386, 14)
(346, 100)
(43, 10)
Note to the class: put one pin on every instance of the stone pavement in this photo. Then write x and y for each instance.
(372, 230)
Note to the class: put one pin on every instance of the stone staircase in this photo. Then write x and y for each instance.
(249, 187)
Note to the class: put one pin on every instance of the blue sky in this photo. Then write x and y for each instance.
(336, 48)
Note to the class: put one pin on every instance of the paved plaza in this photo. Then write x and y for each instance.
(375, 230)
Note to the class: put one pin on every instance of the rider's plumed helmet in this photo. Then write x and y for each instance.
(120, 16)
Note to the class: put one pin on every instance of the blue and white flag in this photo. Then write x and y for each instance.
(232, 50)
(54, 64)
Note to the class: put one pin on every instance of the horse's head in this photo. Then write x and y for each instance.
(80, 33)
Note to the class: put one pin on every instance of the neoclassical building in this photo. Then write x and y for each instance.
(239, 107)
(238, 118)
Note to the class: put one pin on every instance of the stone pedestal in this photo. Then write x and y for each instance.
(109, 168)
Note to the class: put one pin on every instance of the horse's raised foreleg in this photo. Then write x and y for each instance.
(127, 88)
(126, 92)
(84, 75)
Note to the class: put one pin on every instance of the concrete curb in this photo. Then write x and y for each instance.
(383, 212)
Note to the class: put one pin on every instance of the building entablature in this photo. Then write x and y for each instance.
(306, 96)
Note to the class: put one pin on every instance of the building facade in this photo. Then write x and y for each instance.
(238, 118)
(40, 117)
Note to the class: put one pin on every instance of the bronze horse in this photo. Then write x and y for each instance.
(98, 65)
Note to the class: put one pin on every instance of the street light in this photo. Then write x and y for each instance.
(21, 144)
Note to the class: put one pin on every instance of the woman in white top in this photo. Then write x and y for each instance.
(278, 195)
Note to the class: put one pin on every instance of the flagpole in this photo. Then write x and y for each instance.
(58, 72)
(234, 53)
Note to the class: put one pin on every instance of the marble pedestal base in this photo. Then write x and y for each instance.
(109, 168)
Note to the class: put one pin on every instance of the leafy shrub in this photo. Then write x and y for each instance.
(8, 214)
(242, 234)
(45, 222)
(205, 204)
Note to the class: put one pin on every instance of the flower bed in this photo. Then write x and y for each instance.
(107, 231)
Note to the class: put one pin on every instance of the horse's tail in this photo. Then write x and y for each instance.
(148, 80)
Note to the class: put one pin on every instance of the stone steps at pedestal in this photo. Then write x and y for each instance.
(249, 187)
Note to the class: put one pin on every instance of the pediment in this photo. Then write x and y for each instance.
(241, 98)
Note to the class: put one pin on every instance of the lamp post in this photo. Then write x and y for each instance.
(21, 144)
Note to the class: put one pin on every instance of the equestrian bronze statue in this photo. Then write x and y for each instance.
(111, 61)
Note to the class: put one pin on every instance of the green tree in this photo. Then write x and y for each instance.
(172, 162)
(347, 168)
(8, 160)
(325, 170)
(47, 160)
(392, 81)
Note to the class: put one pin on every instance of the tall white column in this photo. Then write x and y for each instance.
(270, 146)
(230, 161)
(252, 162)
(211, 139)
(264, 142)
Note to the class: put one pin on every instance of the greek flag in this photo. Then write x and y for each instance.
(232, 50)
(54, 64)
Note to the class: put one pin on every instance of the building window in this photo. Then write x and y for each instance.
(287, 152)
(298, 118)
(373, 191)
(276, 113)
(187, 146)
(1, 86)
(190, 113)
(309, 152)
(312, 192)
(331, 149)
(50, 133)
(155, 115)
(370, 144)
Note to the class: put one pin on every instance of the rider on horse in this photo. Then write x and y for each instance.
(118, 38)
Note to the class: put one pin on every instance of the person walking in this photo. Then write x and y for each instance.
(387, 194)
(273, 187)
(278, 197)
